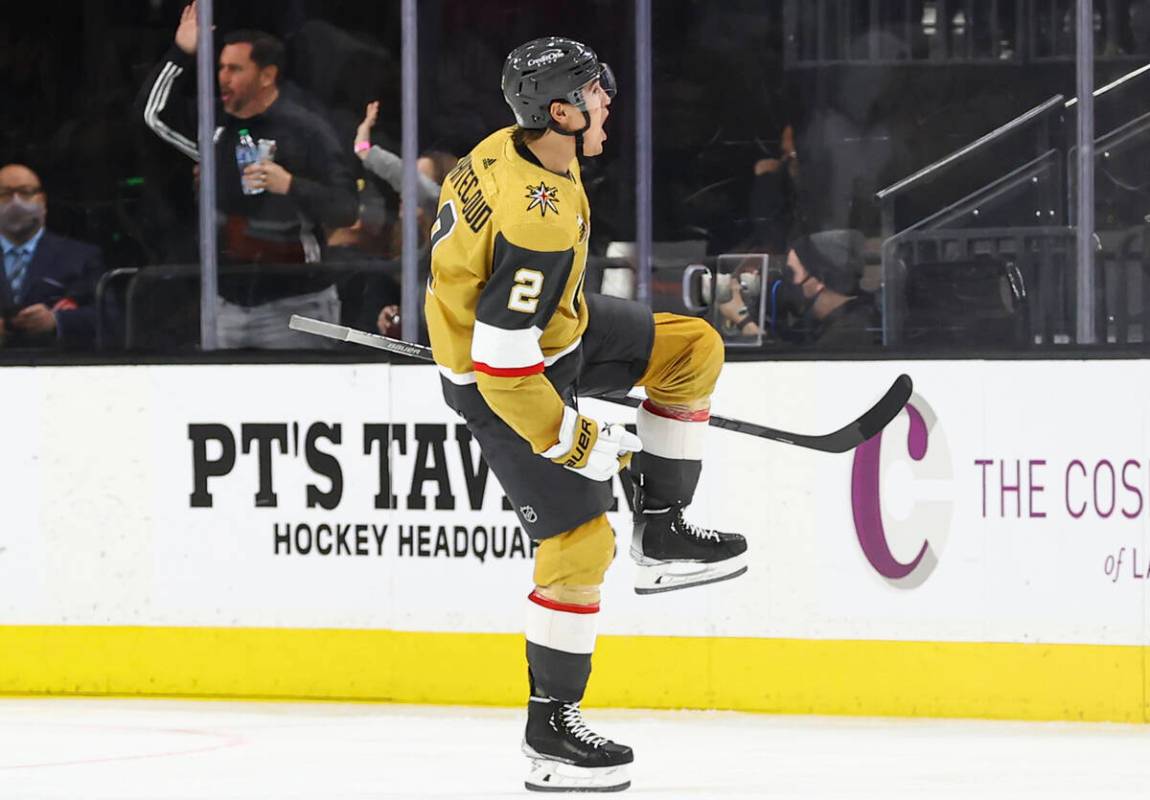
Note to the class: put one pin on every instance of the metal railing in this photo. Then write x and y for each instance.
(1043, 175)
(1039, 114)
(1105, 147)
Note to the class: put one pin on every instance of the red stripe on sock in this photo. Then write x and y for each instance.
(570, 608)
(681, 416)
(508, 372)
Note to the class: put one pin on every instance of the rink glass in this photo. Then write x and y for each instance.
(770, 121)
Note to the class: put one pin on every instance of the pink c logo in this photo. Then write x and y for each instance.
(926, 528)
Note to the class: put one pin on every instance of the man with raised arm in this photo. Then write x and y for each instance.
(272, 211)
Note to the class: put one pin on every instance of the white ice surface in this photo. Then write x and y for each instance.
(96, 749)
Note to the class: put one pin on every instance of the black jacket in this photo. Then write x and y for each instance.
(323, 189)
(63, 274)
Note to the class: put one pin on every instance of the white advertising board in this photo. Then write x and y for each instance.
(1008, 504)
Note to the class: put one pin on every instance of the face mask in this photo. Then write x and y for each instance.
(791, 297)
(19, 218)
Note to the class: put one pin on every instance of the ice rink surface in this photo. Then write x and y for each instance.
(84, 749)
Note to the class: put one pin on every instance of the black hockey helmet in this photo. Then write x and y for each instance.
(538, 73)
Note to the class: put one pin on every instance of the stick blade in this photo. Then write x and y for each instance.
(886, 409)
(872, 421)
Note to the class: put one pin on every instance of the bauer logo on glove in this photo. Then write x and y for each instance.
(583, 443)
(595, 450)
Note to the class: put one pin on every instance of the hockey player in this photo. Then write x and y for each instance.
(517, 342)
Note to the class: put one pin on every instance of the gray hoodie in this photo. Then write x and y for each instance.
(389, 167)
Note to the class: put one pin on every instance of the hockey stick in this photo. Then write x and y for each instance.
(846, 438)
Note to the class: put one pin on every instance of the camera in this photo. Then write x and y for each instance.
(704, 281)
(708, 285)
(750, 283)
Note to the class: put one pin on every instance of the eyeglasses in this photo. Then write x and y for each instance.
(25, 192)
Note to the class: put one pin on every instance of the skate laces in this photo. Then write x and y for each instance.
(573, 721)
(698, 531)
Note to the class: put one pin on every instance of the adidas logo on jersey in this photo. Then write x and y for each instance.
(487, 162)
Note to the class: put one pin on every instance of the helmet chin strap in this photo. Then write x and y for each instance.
(577, 134)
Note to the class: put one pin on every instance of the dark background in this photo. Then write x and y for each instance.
(727, 78)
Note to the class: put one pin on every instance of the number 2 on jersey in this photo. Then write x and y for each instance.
(525, 293)
(444, 224)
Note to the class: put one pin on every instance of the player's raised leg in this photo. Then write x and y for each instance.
(686, 358)
(562, 620)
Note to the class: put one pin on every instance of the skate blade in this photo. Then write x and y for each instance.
(671, 576)
(547, 775)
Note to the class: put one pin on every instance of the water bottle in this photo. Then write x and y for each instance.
(247, 153)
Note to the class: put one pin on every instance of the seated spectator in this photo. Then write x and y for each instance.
(48, 283)
(819, 300)
(273, 211)
(369, 237)
(369, 260)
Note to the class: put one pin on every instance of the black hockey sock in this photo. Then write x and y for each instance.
(667, 482)
(560, 640)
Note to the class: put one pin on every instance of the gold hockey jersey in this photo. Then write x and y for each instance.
(505, 297)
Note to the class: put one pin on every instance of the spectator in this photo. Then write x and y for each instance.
(820, 301)
(369, 237)
(370, 259)
(432, 167)
(308, 185)
(364, 236)
(848, 153)
(772, 198)
(49, 281)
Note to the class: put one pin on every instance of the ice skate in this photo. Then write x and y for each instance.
(566, 756)
(672, 553)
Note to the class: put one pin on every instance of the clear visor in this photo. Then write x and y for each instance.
(606, 81)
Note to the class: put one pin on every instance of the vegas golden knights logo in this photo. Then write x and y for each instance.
(543, 197)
